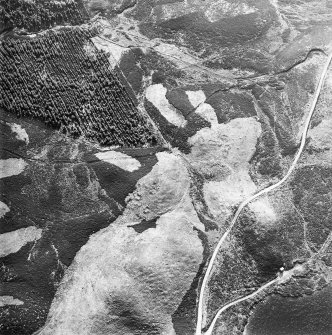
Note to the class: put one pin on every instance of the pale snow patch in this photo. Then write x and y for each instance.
(233, 143)
(6, 300)
(231, 146)
(119, 159)
(174, 10)
(116, 51)
(321, 135)
(3, 209)
(221, 195)
(263, 210)
(174, 53)
(13, 241)
(207, 112)
(186, 208)
(161, 190)
(11, 166)
(20, 133)
(117, 263)
(156, 94)
(196, 97)
(221, 9)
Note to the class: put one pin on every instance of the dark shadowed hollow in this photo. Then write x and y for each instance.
(309, 315)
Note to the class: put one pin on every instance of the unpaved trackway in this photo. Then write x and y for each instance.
(264, 191)
(262, 288)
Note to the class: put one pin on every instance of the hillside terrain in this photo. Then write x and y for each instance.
(131, 133)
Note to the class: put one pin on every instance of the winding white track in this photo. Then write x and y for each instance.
(245, 203)
(210, 330)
